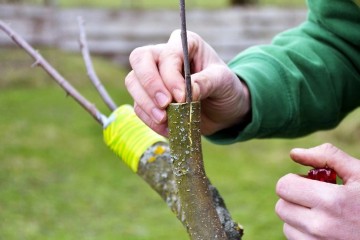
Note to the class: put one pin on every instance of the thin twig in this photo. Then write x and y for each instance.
(40, 61)
(90, 68)
(184, 41)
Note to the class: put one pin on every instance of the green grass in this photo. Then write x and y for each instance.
(59, 181)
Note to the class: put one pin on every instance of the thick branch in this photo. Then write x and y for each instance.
(156, 168)
(40, 61)
(90, 68)
(198, 209)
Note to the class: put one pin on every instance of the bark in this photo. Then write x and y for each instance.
(156, 168)
(198, 211)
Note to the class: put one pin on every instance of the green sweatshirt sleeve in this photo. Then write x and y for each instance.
(307, 79)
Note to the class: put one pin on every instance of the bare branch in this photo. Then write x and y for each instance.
(40, 61)
(90, 68)
(184, 42)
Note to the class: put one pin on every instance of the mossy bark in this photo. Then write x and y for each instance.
(156, 168)
(198, 210)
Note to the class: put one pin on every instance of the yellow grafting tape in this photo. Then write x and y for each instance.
(128, 136)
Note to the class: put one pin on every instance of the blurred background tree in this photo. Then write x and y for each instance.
(242, 2)
(44, 2)
(50, 2)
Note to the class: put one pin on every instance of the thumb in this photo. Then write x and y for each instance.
(327, 155)
(216, 81)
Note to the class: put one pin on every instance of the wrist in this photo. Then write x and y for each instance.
(245, 118)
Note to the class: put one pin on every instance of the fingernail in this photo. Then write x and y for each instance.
(161, 99)
(158, 114)
(179, 95)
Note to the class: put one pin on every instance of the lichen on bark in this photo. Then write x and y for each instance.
(198, 210)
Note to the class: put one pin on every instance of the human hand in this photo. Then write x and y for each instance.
(317, 210)
(157, 80)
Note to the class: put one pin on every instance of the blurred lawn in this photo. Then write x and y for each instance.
(59, 181)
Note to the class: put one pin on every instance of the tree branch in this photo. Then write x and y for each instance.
(198, 209)
(90, 68)
(156, 168)
(155, 164)
(60, 80)
(184, 42)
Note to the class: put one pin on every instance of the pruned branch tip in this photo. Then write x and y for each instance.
(90, 68)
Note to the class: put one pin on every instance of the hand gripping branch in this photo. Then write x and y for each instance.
(144, 151)
(199, 212)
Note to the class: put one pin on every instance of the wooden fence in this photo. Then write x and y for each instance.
(116, 32)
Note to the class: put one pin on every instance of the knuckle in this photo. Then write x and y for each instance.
(282, 186)
(196, 91)
(141, 114)
(323, 225)
(330, 202)
(190, 34)
(176, 32)
(329, 148)
(129, 80)
(279, 208)
(205, 84)
(136, 55)
(171, 54)
(333, 154)
(318, 228)
(148, 80)
(142, 105)
(336, 203)
(193, 35)
(146, 118)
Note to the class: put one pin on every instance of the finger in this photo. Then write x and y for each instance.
(328, 155)
(144, 62)
(171, 67)
(292, 214)
(224, 94)
(216, 81)
(308, 223)
(305, 192)
(143, 101)
(200, 54)
(207, 82)
(293, 233)
(158, 128)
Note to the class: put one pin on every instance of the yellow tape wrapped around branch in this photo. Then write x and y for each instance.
(128, 136)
